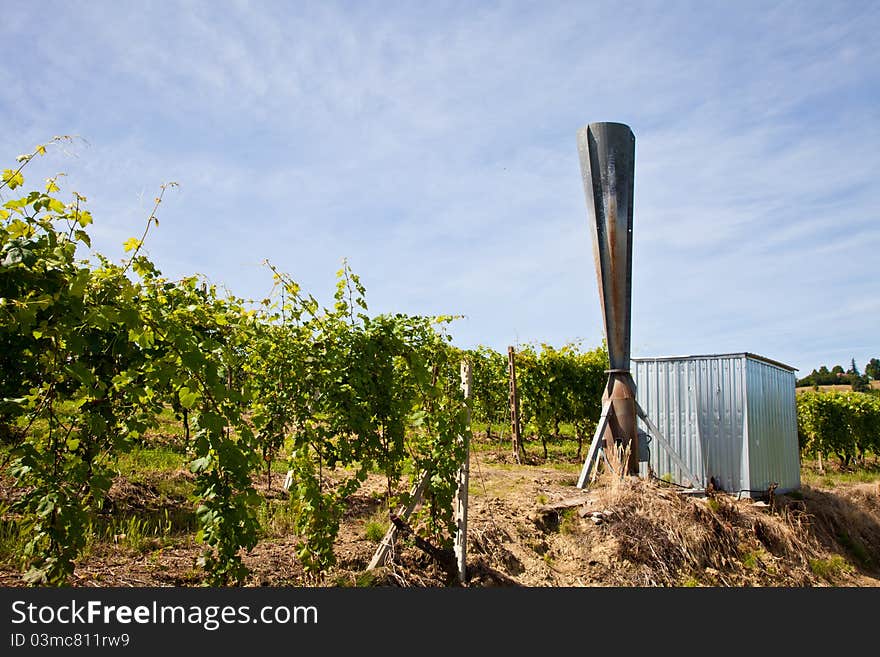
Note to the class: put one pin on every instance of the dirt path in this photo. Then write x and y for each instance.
(631, 534)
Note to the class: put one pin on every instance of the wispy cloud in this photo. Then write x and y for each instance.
(434, 146)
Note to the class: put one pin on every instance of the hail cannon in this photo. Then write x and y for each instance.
(607, 156)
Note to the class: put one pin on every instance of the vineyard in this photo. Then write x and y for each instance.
(98, 359)
(843, 424)
(95, 352)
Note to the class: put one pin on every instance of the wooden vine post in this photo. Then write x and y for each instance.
(514, 407)
(386, 546)
(385, 551)
(461, 494)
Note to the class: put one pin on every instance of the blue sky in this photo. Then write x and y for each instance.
(433, 144)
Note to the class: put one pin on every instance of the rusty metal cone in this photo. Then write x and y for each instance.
(607, 154)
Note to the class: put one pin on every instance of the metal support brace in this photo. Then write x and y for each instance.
(595, 446)
(668, 447)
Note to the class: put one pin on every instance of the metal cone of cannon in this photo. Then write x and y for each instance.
(607, 156)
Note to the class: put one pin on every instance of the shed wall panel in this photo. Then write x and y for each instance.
(730, 417)
(772, 428)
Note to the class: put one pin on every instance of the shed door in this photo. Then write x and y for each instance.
(718, 384)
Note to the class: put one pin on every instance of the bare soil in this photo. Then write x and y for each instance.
(530, 526)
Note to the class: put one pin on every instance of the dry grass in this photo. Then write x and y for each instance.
(672, 540)
(847, 524)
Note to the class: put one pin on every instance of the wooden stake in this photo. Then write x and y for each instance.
(514, 408)
(461, 494)
(387, 544)
(441, 556)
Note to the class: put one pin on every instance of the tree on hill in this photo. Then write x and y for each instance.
(824, 377)
(837, 376)
(860, 383)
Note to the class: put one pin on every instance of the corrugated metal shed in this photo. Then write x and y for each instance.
(729, 416)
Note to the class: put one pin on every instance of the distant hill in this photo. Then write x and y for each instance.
(875, 385)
